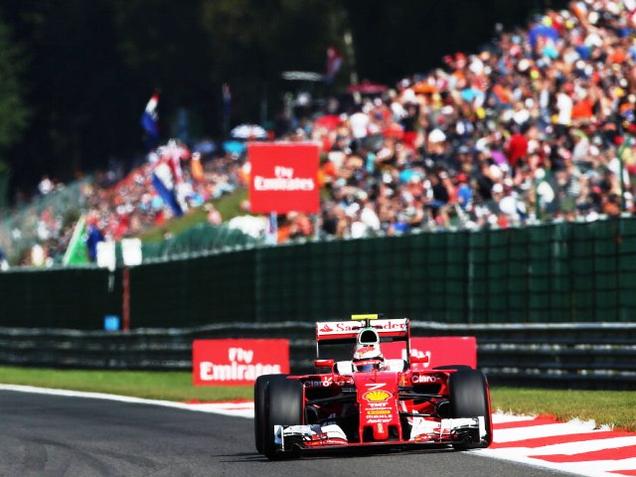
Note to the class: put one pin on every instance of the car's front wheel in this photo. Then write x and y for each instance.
(283, 405)
(260, 387)
(469, 397)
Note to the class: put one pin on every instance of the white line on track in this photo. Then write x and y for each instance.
(580, 447)
(501, 417)
(228, 409)
(545, 430)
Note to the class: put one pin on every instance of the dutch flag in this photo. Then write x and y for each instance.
(150, 118)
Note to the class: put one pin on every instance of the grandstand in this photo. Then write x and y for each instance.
(538, 127)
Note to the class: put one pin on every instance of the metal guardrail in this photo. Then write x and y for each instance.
(590, 355)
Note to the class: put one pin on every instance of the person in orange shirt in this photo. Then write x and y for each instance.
(196, 167)
(583, 109)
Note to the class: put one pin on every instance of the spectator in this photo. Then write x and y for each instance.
(4, 263)
(537, 126)
(93, 237)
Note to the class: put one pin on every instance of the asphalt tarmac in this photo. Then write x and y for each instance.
(45, 435)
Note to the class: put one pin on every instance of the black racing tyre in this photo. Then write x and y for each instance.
(260, 387)
(283, 406)
(469, 398)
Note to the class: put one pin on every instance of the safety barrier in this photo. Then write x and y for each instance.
(594, 355)
(196, 241)
(551, 273)
(68, 297)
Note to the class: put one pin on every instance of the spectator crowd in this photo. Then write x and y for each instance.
(136, 203)
(537, 126)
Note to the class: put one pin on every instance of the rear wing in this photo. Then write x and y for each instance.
(348, 330)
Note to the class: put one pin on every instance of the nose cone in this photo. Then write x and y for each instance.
(377, 401)
(380, 432)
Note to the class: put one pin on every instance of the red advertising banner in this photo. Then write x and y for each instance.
(237, 361)
(283, 177)
(440, 350)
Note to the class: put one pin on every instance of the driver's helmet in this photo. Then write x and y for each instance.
(367, 355)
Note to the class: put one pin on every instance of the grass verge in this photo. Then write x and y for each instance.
(168, 385)
(229, 206)
(605, 407)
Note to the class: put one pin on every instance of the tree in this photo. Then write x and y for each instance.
(13, 112)
(249, 43)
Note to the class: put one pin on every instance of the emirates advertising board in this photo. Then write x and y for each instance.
(437, 351)
(284, 177)
(237, 361)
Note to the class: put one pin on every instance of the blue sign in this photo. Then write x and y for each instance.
(111, 323)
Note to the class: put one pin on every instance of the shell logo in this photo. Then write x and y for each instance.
(378, 395)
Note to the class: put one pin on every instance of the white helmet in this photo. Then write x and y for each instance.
(367, 354)
(368, 351)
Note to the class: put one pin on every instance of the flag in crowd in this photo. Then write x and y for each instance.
(168, 175)
(150, 121)
(334, 63)
(76, 251)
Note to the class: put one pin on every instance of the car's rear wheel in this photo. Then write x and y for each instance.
(260, 386)
(469, 397)
(283, 406)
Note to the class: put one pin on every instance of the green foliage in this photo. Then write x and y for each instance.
(4, 185)
(13, 112)
(263, 38)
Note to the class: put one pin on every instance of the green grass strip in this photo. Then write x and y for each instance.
(605, 407)
(168, 385)
(229, 206)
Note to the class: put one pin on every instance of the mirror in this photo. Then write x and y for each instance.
(324, 363)
(419, 359)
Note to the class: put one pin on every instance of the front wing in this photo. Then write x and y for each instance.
(423, 432)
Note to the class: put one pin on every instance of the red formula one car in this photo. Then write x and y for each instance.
(369, 400)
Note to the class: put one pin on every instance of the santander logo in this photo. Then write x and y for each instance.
(344, 327)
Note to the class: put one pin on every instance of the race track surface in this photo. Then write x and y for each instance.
(66, 436)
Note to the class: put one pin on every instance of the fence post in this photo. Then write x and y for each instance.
(125, 308)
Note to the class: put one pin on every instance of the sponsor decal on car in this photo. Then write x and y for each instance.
(377, 405)
(378, 395)
(345, 327)
(323, 382)
(378, 419)
(424, 379)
